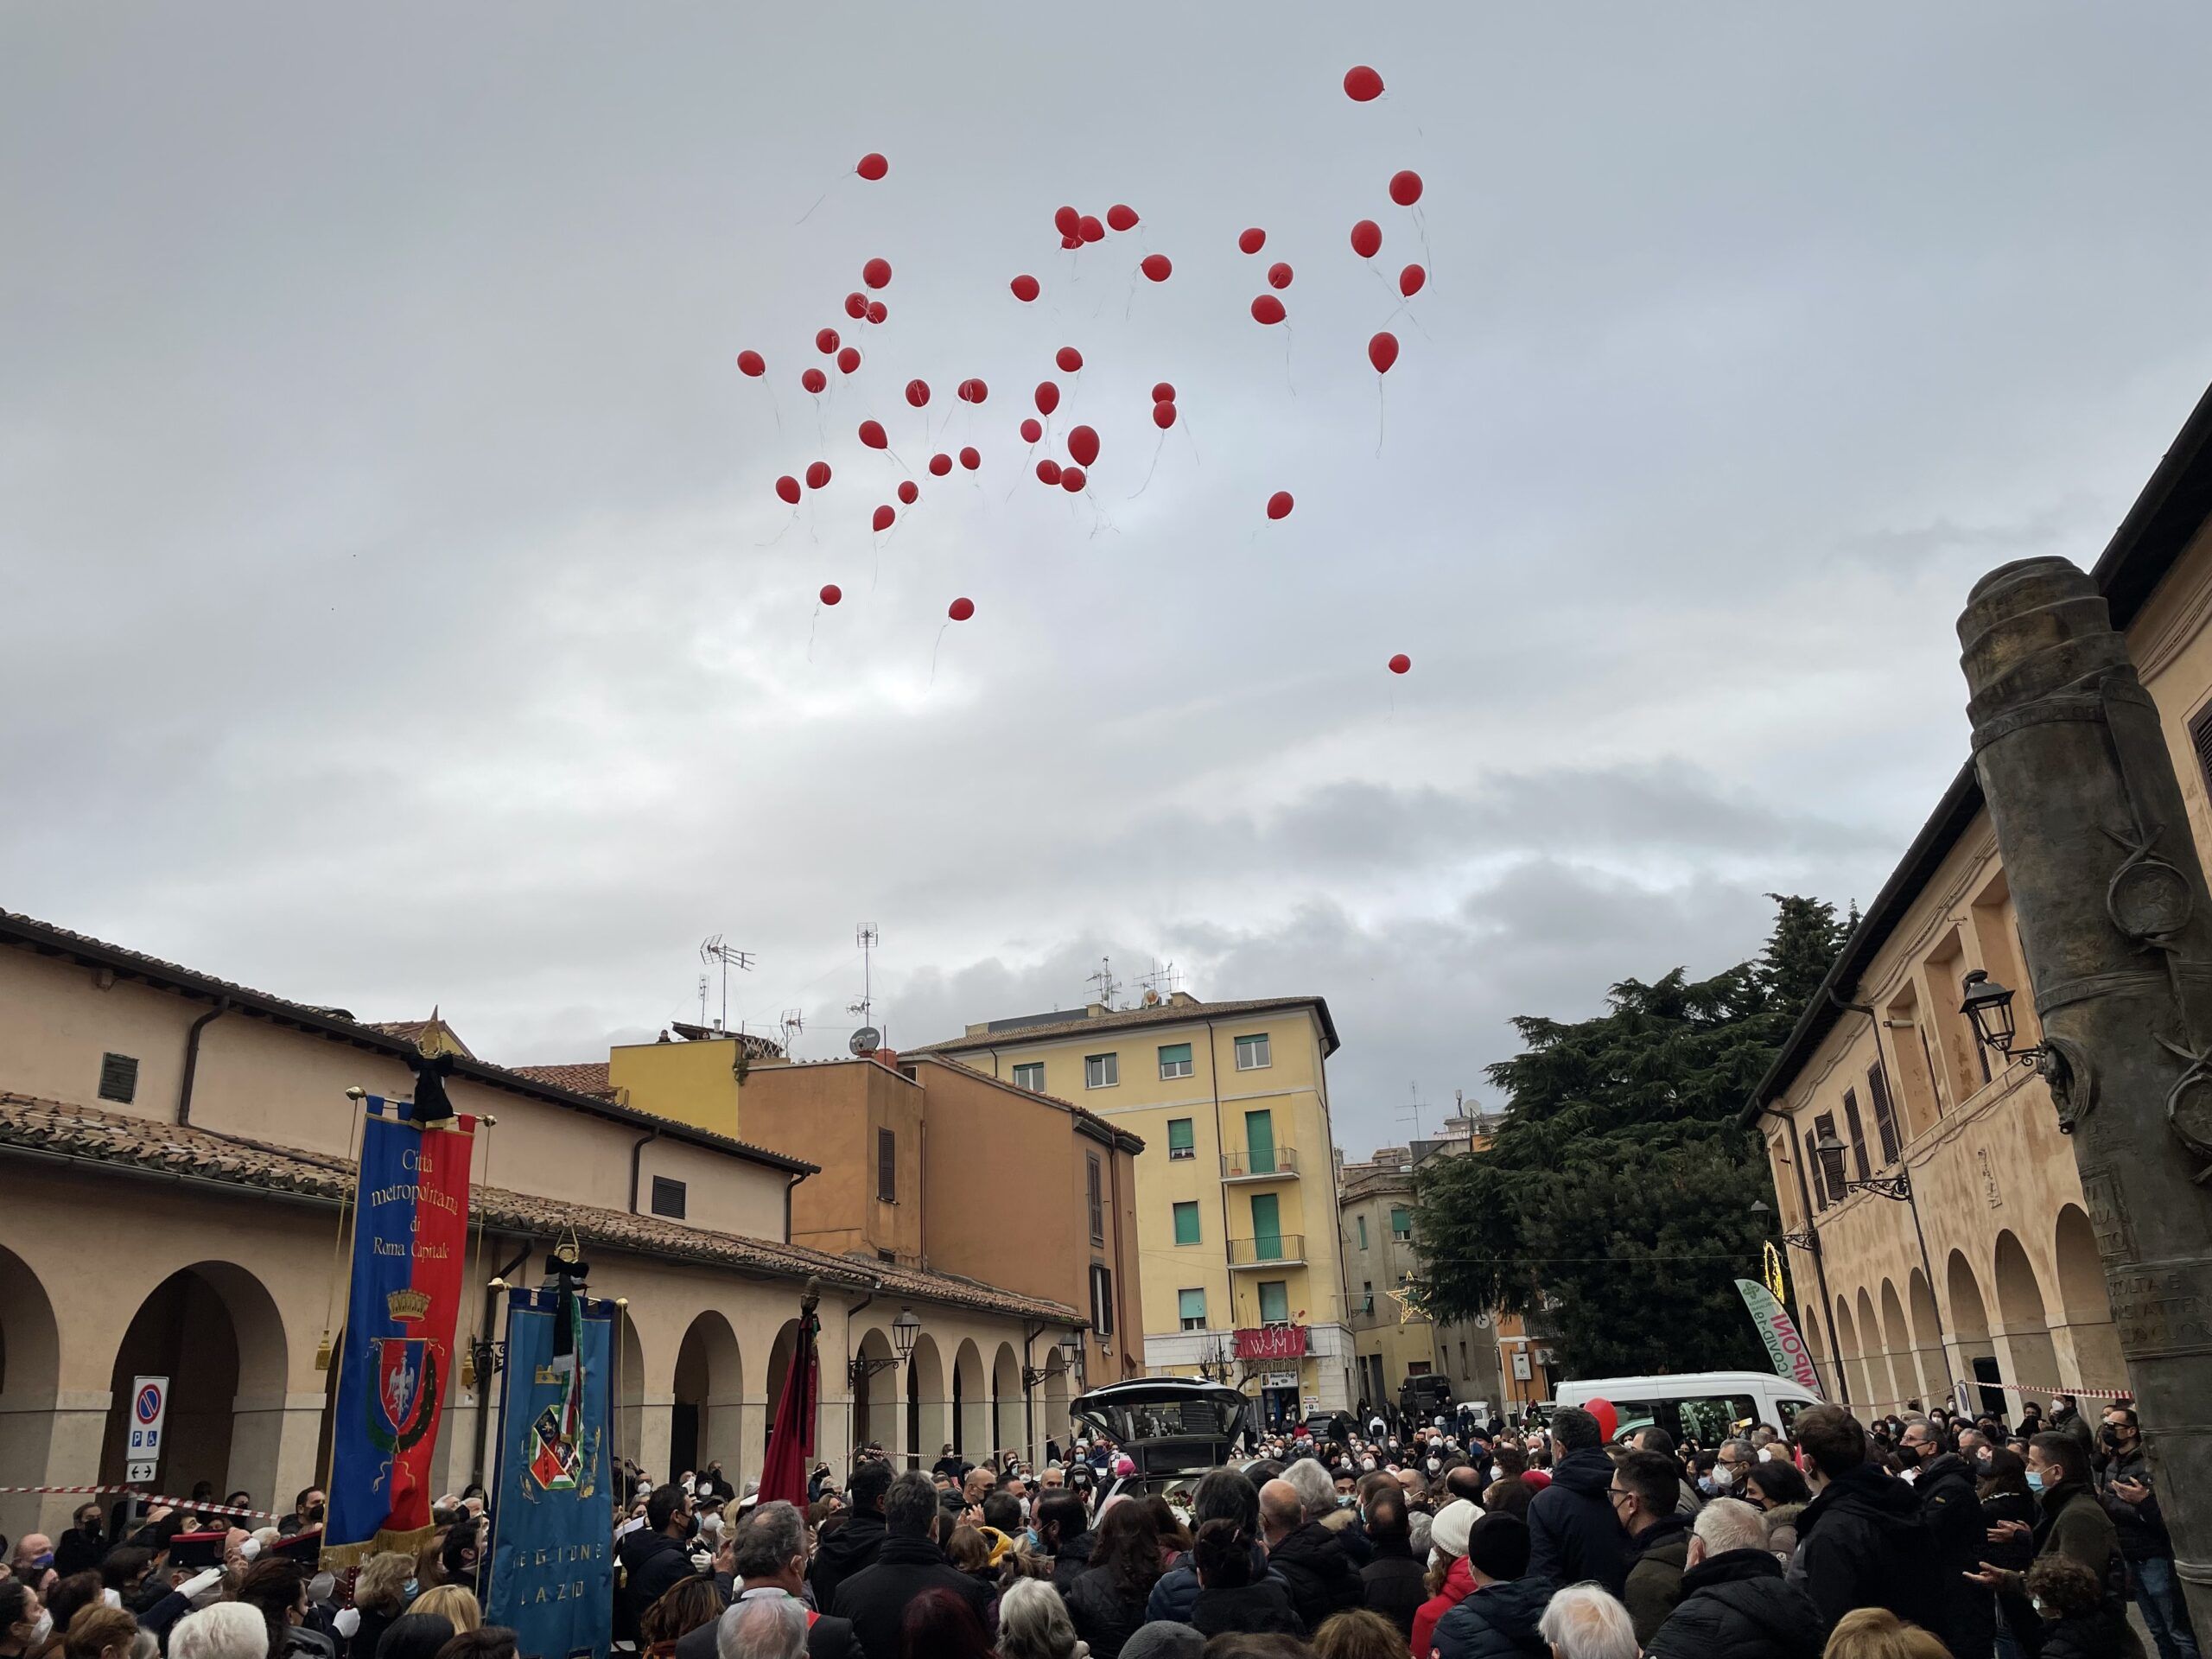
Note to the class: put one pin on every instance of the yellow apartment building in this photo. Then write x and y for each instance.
(1940, 1239)
(1235, 1188)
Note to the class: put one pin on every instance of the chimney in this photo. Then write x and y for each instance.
(1095, 1011)
(1182, 1000)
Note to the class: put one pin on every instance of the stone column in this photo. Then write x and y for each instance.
(273, 1443)
(2117, 924)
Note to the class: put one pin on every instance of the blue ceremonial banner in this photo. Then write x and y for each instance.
(396, 1360)
(553, 1515)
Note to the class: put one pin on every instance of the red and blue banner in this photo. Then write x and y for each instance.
(396, 1360)
(553, 1503)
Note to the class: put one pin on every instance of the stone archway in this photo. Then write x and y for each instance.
(1846, 1339)
(1904, 1370)
(2031, 1358)
(30, 1380)
(1880, 1392)
(1823, 1360)
(1935, 1373)
(2085, 1307)
(1009, 1409)
(629, 1395)
(1969, 1328)
(973, 1435)
(780, 1371)
(705, 1422)
(214, 1330)
(875, 1400)
(1052, 1405)
(928, 1423)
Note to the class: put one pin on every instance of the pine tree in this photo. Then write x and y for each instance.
(1614, 1204)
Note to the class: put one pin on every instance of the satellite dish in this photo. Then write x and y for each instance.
(866, 1041)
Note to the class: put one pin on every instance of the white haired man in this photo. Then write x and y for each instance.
(1734, 1600)
(1585, 1622)
(767, 1627)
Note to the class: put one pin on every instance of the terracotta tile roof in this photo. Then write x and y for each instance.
(340, 1025)
(1166, 1014)
(1102, 1129)
(585, 1077)
(44, 1126)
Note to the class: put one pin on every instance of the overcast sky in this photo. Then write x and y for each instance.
(399, 609)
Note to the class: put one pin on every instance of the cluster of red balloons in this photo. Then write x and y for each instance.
(1075, 228)
(1163, 405)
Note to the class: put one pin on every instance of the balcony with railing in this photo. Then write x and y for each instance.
(1269, 1250)
(1260, 1164)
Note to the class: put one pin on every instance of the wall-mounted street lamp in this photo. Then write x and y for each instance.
(1804, 1240)
(1071, 1347)
(906, 1330)
(1829, 1151)
(1989, 1008)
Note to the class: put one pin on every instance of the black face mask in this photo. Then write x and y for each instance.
(314, 1515)
(690, 1528)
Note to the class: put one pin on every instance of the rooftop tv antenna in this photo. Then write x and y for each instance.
(1104, 980)
(793, 1021)
(730, 957)
(867, 939)
(1160, 983)
(1415, 1109)
(703, 999)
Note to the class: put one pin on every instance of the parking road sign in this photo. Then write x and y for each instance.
(150, 1409)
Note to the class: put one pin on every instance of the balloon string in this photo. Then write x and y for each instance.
(809, 213)
(1289, 339)
(1149, 471)
(810, 632)
(1381, 411)
(776, 408)
(934, 650)
(1420, 224)
(1129, 304)
(1184, 421)
(903, 466)
(780, 534)
(820, 435)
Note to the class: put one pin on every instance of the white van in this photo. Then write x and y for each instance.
(1700, 1406)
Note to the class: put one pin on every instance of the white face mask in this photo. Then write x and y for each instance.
(1722, 1475)
(112, 1598)
(1766, 1454)
(1495, 1472)
(249, 1550)
(1434, 1464)
(43, 1629)
(1367, 1465)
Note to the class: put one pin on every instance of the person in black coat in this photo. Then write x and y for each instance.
(1573, 1533)
(657, 1555)
(769, 1558)
(858, 1539)
(1309, 1557)
(1223, 1495)
(910, 1563)
(82, 1546)
(1952, 1509)
(1231, 1598)
(1062, 1526)
(1497, 1622)
(1735, 1604)
(1393, 1581)
(1107, 1604)
(1861, 1540)
(2080, 1621)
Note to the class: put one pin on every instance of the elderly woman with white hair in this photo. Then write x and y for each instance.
(1585, 1621)
(229, 1629)
(1034, 1624)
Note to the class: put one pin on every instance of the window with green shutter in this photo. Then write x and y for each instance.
(1191, 1309)
(1181, 1143)
(1362, 1220)
(1274, 1301)
(1174, 1059)
(1187, 1223)
(1401, 1222)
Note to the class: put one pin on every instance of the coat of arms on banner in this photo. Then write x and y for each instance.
(404, 1406)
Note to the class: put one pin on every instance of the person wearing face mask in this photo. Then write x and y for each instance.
(1944, 1484)
(83, 1545)
(382, 1591)
(657, 1554)
(1861, 1540)
(25, 1625)
(2079, 1621)
(2124, 1488)
(2069, 1522)
(307, 1511)
(1735, 1460)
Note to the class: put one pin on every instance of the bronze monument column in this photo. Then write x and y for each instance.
(2117, 925)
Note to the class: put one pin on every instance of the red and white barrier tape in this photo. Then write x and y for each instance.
(2076, 1394)
(150, 1499)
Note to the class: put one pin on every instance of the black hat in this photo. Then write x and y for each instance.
(1498, 1546)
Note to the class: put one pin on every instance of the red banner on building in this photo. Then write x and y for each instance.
(1272, 1342)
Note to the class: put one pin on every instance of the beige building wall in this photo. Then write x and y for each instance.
(1990, 1275)
(1393, 1341)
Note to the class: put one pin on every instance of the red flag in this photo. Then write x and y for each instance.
(790, 1440)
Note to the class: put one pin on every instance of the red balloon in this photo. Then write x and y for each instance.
(872, 435)
(1268, 309)
(848, 360)
(752, 364)
(1072, 481)
(961, 609)
(1279, 275)
(814, 380)
(1401, 662)
(971, 458)
(1163, 391)
(877, 310)
(873, 167)
(940, 464)
(826, 342)
(1121, 217)
(1024, 287)
(1031, 430)
(832, 592)
(1252, 240)
(817, 475)
(885, 517)
(876, 273)
(1163, 414)
(1082, 445)
(973, 392)
(909, 492)
(1410, 280)
(1048, 471)
(1048, 397)
(1091, 230)
(1157, 266)
(856, 306)
(1382, 350)
(1068, 222)
(1279, 504)
(1070, 359)
(917, 393)
(1071, 241)
(1405, 188)
(1609, 1418)
(1367, 238)
(1362, 84)
(787, 487)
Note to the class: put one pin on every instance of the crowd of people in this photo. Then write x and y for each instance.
(1920, 1535)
